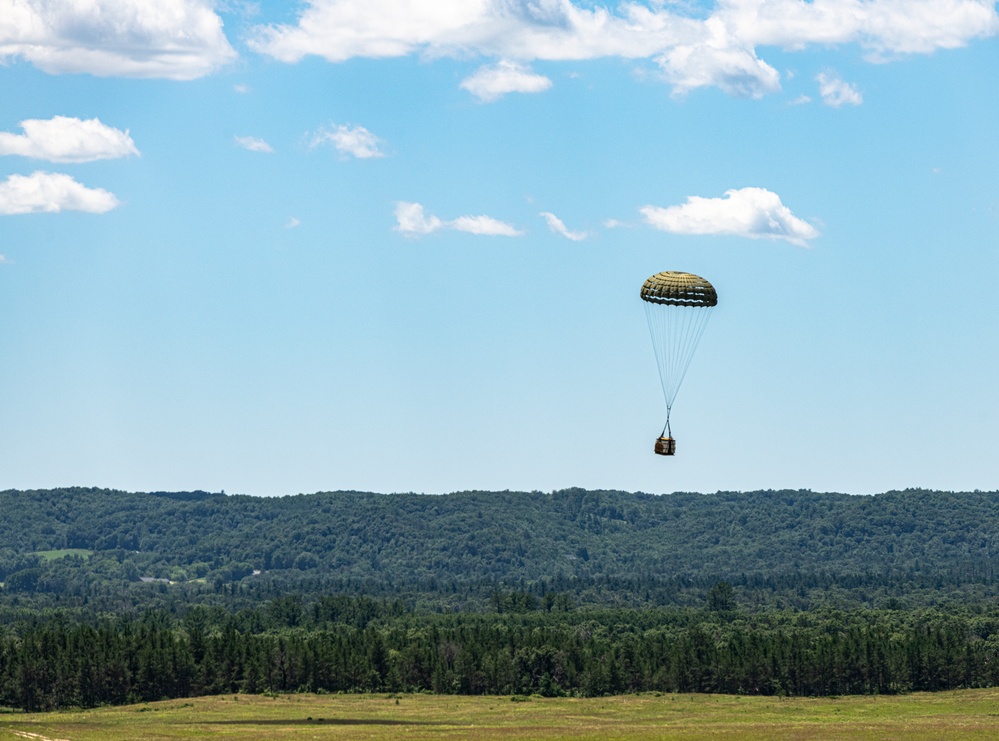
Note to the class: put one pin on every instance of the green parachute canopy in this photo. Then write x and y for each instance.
(678, 306)
(679, 289)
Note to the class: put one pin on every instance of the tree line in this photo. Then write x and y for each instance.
(359, 645)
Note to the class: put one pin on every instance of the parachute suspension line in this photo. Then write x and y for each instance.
(675, 335)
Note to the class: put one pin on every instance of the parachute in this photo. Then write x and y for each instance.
(678, 306)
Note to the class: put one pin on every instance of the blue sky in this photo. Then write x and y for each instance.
(397, 246)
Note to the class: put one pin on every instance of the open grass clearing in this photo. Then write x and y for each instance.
(968, 714)
(62, 553)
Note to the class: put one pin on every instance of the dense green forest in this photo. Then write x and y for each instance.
(344, 644)
(777, 548)
(112, 597)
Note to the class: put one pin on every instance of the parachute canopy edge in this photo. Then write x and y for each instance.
(678, 289)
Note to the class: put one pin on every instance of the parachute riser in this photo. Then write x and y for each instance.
(665, 444)
(666, 427)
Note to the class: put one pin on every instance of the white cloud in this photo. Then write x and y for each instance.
(747, 212)
(717, 58)
(694, 49)
(241, 87)
(882, 26)
(64, 139)
(254, 144)
(4, 260)
(175, 39)
(353, 140)
(894, 27)
(413, 221)
(835, 92)
(492, 82)
(485, 225)
(557, 226)
(291, 223)
(49, 192)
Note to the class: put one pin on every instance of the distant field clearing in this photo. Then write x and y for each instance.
(63, 552)
(968, 714)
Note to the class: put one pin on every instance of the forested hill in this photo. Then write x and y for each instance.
(777, 540)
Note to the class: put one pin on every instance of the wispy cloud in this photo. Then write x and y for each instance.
(693, 48)
(254, 144)
(494, 81)
(48, 192)
(835, 92)
(175, 39)
(756, 213)
(485, 225)
(556, 225)
(65, 139)
(355, 141)
(291, 223)
(412, 220)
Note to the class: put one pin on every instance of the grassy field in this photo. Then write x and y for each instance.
(62, 552)
(969, 714)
